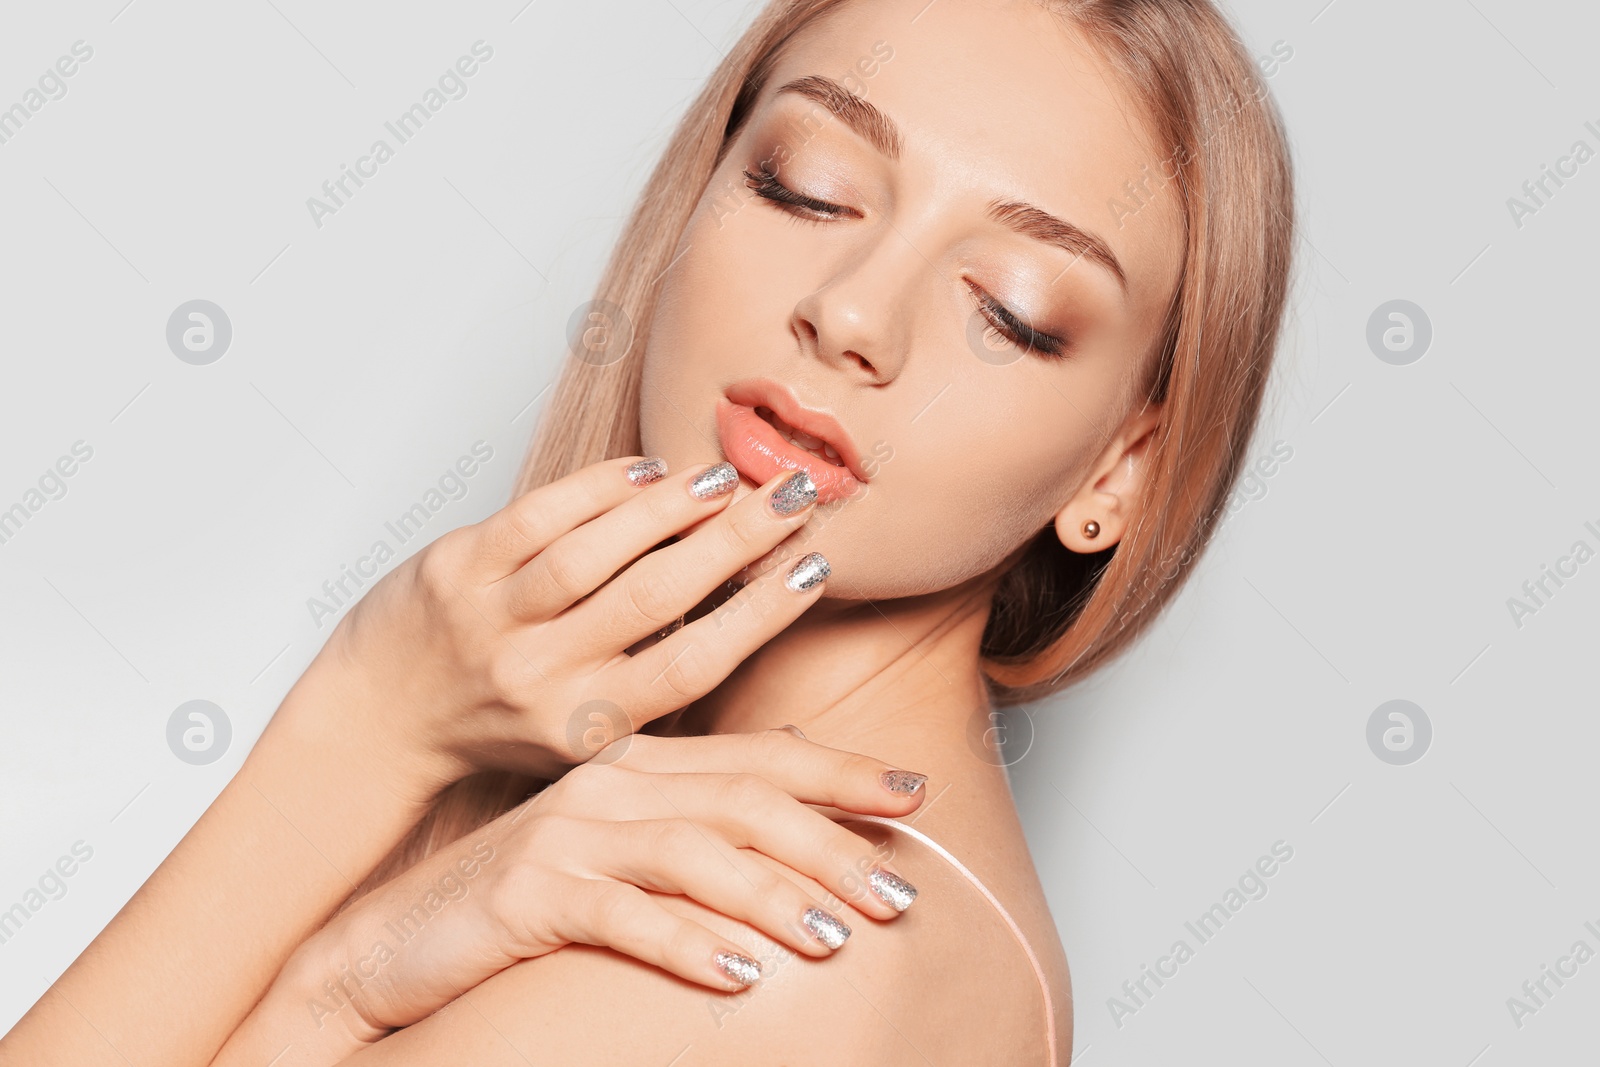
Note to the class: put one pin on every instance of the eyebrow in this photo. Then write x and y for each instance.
(880, 131)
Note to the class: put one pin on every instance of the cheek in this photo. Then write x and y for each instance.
(713, 292)
(1021, 447)
(967, 484)
(722, 308)
(681, 370)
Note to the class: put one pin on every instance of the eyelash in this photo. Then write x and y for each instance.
(1017, 331)
(766, 185)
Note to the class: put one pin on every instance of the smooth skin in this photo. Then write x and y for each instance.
(865, 313)
(486, 649)
(573, 865)
(510, 649)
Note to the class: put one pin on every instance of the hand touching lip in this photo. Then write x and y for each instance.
(780, 400)
(761, 447)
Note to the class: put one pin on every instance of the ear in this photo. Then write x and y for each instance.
(1111, 492)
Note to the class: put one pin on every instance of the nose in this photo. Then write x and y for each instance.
(858, 321)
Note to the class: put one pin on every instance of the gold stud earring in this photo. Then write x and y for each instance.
(1091, 529)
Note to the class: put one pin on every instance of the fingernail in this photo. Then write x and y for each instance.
(793, 729)
(793, 493)
(903, 782)
(741, 969)
(825, 927)
(714, 481)
(891, 888)
(811, 570)
(645, 471)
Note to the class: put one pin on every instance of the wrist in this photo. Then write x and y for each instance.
(296, 1023)
(337, 707)
(322, 992)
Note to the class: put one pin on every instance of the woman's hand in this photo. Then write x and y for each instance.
(477, 652)
(504, 644)
(571, 865)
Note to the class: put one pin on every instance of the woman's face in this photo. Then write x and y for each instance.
(878, 307)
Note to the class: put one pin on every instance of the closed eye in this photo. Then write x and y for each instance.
(766, 185)
(1015, 330)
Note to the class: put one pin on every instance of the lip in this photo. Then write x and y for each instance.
(754, 446)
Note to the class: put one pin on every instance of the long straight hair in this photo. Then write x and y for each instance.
(1056, 615)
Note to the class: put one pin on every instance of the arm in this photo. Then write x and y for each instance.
(252, 879)
(945, 983)
(571, 866)
(875, 1001)
(483, 650)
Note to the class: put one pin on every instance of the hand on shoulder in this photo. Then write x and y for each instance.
(944, 981)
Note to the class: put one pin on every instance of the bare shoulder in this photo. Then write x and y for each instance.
(945, 982)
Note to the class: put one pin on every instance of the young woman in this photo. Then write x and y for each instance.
(943, 327)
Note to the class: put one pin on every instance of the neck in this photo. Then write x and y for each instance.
(898, 679)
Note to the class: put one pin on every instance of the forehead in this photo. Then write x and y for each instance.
(1004, 98)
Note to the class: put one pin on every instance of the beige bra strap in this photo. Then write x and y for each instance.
(1016, 931)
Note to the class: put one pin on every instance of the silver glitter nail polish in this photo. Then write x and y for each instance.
(892, 889)
(812, 569)
(741, 969)
(645, 471)
(794, 493)
(825, 928)
(715, 481)
(903, 782)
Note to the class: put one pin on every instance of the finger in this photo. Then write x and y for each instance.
(623, 917)
(581, 559)
(525, 527)
(666, 583)
(694, 659)
(805, 770)
(747, 811)
(676, 855)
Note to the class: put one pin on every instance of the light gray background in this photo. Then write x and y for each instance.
(369, 354)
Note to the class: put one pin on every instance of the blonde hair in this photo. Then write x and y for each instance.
(1056, 615)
